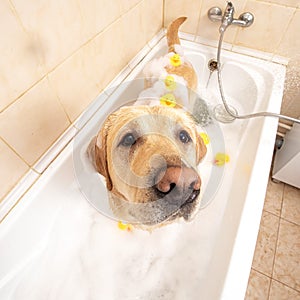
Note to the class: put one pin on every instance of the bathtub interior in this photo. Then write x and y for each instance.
(217, 247)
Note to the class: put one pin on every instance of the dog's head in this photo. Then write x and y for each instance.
(149, 157)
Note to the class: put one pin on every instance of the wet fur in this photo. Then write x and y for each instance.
(134, 199)
(130, 173)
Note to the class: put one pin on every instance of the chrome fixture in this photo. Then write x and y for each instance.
(215, 14)
(224, 112)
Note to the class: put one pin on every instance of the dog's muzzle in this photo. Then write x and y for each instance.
(179, 186)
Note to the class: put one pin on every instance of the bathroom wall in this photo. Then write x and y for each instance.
(274, 31)
(56, 57)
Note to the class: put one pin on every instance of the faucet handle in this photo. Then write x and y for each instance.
(229, 6)
(215, 14)
(247, 19)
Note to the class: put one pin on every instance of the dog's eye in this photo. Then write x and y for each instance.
(128, 140)
(184, 137)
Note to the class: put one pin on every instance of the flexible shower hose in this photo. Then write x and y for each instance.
(235, 114)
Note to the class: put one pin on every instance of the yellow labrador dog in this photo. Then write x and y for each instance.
(149, 155)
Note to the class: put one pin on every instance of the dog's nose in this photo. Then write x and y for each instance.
(182, 178)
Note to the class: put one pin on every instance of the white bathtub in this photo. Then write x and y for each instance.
(55, 245)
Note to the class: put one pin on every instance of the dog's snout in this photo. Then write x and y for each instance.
(180, 177)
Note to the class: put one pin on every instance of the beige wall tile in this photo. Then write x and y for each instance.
(12, 169)
(266, 244)
(279, 291)
(133, 22)
(258, 286)
(290, 44)
(188, 8)
(56, 25)
(126, 5)
(134, 27)
(21, 64)
(34, 122)
(290, 3)
(108, 50)
(97, 15)
(269, 26)
(75, 82)
(152, 12)
(286, 266)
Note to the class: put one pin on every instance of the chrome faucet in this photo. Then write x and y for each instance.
(227, 17)
(215, 15)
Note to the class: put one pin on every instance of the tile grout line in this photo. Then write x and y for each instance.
(20, 196)
(260, 272)
(283, 218)
(272, 278)
(42, 164)
(16, 186)
(260, 227)
(269, 287)
(292, 288)
(291, 222)
(271, 212)
(16, 15)
(14, 151)
(58, 99)
(274, 257)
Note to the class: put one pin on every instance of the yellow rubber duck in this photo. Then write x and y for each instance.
(175, 60)
(205, 138)
(221, 159)
(124, 226)
(170, 83)
(168, 100)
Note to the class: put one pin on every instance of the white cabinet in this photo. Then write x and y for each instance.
(287, 159)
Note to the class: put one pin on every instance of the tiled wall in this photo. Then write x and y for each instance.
(55, 58)
(275, 30)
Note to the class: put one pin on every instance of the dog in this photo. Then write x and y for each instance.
(149, 153)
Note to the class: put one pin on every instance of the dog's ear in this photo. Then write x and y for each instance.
(101, 157)
(200, 148)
